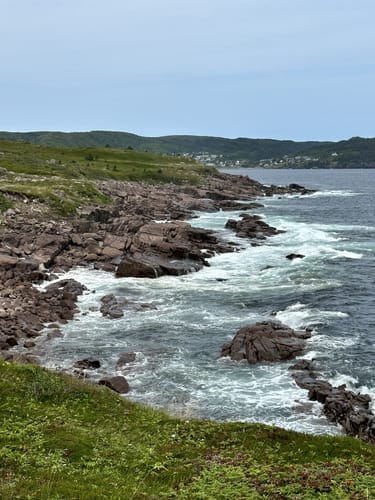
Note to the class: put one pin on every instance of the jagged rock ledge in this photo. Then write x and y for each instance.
(340, 405)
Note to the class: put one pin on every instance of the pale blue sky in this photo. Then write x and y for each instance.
(294, 69)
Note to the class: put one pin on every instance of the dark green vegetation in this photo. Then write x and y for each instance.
(5, 203)
(65, 177)
(353, 153)
(64, 438)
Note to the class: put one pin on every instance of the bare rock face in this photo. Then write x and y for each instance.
(24, 309)
(267, 341)
(34, 244)
(340, 405)
(13, 265)
(63, 294)
(118, 384)
(251, 226)
(133, 267)
(171, 248)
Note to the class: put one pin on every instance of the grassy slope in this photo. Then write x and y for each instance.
(64, 438)
(64, 177)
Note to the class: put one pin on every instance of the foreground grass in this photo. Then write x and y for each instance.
(65, 178)
(62, 438)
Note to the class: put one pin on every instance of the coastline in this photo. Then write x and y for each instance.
(35, 245)
(131, 238)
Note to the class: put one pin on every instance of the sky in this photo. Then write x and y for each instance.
(281, 69)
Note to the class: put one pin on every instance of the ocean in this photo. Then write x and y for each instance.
(331, 290)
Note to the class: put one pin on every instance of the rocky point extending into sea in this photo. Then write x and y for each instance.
(144, 234)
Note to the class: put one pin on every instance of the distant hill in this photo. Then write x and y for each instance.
(356, 152)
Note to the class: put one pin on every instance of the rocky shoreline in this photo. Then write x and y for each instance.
(144, 233)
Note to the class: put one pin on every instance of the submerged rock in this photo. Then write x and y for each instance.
(125, 358)
(303, 364)
(114, 307)
(293, 256)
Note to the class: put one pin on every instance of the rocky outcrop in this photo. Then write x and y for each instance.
(123, 238)
(252, 227)
(266, 341)
(340, 405)
(24, 309)
(106, 236)
(298, 189)
(171, 248)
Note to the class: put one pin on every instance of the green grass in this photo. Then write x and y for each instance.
(5, 203)
(65, 178)
(63, 438)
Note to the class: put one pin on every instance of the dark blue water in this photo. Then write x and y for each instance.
(331, 290)
(351, 208)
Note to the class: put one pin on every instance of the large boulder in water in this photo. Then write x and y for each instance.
(266, 341)
(251, 226)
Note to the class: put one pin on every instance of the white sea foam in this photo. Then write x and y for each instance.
(334, 192)
(301, 315)
(318, 194)
(342, 378)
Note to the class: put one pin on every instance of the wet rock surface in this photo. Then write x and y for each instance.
(170, 248)
(293, 256)
(123, 238)
(252, 227)
(340, 405)
(266, 341)
(87, 364)
(126, 358)
(114, 307)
